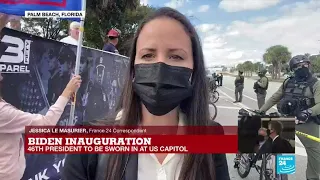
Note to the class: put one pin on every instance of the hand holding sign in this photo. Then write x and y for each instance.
(72, 86)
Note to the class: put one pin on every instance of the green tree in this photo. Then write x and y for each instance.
(257, 66)
(124, 15)
(277, 56)
(248, 68)
(285, 68)
(270, 69)
(101, 16)
(131, 20)
(315, 63)
(232, 69)
(240, 67)
(47, 28)
(307, 54)
(224, 68)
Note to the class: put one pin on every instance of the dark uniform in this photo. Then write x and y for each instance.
(212, 84)
(221, 79)
(109, 47)
(300, 96)
(260, 88)
(113, 36)
(239, 85)
(214, 77)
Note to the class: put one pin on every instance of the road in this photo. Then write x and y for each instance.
(228, 113)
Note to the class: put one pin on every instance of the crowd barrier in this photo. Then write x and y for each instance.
(36, 71)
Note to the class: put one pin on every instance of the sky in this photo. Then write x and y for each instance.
(235, 31)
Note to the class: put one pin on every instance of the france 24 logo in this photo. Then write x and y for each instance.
(286, 164)
(58, 3)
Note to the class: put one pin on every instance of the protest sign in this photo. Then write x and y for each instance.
(50, 65)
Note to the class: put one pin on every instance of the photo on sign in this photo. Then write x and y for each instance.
(14, 54)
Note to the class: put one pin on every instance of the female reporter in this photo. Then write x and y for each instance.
(12, 125)
(165, 86)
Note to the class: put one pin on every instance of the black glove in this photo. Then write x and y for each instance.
(259, 113)
(304, 115)
(243, 112)
(274, 114)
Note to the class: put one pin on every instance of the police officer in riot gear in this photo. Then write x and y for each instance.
(239, 85)
(260, 87)
(300, 96)
(214, 77)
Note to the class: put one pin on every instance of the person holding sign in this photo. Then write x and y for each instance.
(12, 126)
(73, 34)
(165, 45)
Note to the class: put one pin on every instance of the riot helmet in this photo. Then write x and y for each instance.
(297, 60)
(300, 65)
(262, 72)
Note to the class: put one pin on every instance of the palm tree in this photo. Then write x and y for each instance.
(277, 55)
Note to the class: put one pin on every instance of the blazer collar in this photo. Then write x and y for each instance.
(131, 169)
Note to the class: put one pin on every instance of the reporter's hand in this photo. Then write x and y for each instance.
(72, 86)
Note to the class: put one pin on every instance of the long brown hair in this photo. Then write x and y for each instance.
(196, 109)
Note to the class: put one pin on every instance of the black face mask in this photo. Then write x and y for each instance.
(162, 87)
(302, 72)
(260, 138)
(268, 132)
